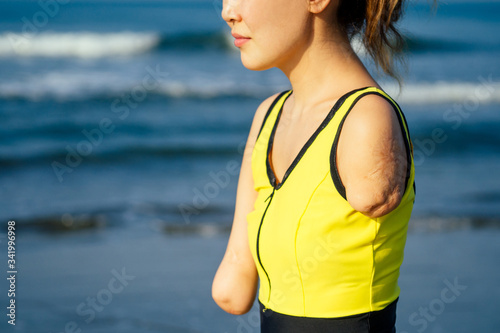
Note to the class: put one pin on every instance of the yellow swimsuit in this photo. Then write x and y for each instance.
(316, 256)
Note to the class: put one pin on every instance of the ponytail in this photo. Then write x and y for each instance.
(374, 21)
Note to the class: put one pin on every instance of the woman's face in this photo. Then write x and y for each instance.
(269, 33)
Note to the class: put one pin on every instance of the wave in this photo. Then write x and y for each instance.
(160, 216)
(121, 152)
(419, 93)
(79, 86)
(85, 44)
(484, 91)
(75, 85)
(435, 224)
(77, 44)
(167, 218)
(97, 45)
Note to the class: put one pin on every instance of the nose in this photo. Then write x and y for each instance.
(230, 11)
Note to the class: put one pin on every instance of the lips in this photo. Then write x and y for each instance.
(239, 40)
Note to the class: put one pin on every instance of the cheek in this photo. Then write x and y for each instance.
(277, 29)
(278, 20)
(266, 49)
(273, 47)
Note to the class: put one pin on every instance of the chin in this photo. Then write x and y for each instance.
(254, 64)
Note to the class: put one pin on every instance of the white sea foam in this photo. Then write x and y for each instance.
(77, 44)
(481, 92)
(66, 85)
(79, 85)
(411, 94)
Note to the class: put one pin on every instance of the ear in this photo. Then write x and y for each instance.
(318, 6)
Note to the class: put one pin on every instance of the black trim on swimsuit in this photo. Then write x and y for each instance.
(333, 155)
(331, 113)
(270, 110)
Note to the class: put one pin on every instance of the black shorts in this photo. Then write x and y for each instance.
(383, 321)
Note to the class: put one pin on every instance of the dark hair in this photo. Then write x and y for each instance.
(374, 21)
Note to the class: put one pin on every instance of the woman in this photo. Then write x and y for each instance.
(326, 184)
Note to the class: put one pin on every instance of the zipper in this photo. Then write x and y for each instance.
(270, 198)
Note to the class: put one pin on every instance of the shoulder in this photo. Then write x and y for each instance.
(372, 129)
(372, 115)
(371, 157)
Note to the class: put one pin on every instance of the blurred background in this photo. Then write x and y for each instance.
(121, 128)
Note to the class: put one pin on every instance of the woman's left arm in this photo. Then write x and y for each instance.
(372, 158)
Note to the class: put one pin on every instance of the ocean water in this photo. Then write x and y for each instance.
(129, 116)
(123, 110)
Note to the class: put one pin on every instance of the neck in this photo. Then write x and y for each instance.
(325, 70)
